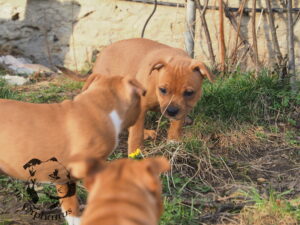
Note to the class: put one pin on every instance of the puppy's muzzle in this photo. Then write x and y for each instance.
(172, 111)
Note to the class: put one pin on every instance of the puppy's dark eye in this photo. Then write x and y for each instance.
(163, 90)
(188, 93)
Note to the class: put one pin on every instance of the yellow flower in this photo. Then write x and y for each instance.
(135, 154)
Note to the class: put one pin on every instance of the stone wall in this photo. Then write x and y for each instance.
(67, 32)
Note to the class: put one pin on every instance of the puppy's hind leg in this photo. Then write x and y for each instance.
(69, 202)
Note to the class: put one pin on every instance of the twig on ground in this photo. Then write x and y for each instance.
(227, 168)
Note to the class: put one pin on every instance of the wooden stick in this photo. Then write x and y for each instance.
(292, 70)
(231, 9)
(190, 27)
(221, 36)
(273, 33)
(202, 10)
(234, 53)
(241, 34)
(254, 36)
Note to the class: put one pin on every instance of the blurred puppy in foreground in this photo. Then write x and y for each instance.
(123, 192)
(32, 134)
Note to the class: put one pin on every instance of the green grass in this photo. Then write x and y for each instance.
(6, 92)
(231, 104)
(242, 98)
(176, 213)
(45, 94)
(51, 93)
(272, 207)
(6, 222)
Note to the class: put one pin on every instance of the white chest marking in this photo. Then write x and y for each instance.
(72, 220)
(116, 120)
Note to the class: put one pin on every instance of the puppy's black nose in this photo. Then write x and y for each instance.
(172, 110)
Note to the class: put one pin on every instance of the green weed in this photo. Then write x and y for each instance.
(292, 137)
(176, 213)
(240, 97)
(6, 92)
(271, 209)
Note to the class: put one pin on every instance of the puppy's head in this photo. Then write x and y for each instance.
(122, 94)
(178, 86)
(100, 176)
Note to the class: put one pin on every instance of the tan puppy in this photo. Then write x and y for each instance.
(173, 81)
(88, 124)
(123, 192)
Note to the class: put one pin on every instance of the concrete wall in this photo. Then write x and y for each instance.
(66, 32)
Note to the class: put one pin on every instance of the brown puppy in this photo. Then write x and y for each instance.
(173, 81)
(123, 192)
(90, 124)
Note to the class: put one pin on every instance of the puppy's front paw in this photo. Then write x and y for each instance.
(173, 138)
(149, 134)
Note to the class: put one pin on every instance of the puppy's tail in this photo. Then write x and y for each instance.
(71, 74)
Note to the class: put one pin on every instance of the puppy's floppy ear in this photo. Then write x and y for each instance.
(89, 81)
(82, 166)
(154, 167)
(157, 64)
(135, 86)
(202, 69)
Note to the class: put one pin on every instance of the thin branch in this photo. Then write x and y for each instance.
(241, 11)
(190, 27)
(241, 34)
(202, 10)
(292, 70)
(296, 19)
(234, 53)
(254, 36)
(273, 33)
(231, 9)
(221, 36)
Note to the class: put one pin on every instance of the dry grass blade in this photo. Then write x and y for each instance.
(160, 118)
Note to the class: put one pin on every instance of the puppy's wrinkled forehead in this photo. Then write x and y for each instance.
(179, 75)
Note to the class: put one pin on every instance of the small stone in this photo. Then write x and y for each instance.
(15, 80)
(261, 180)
